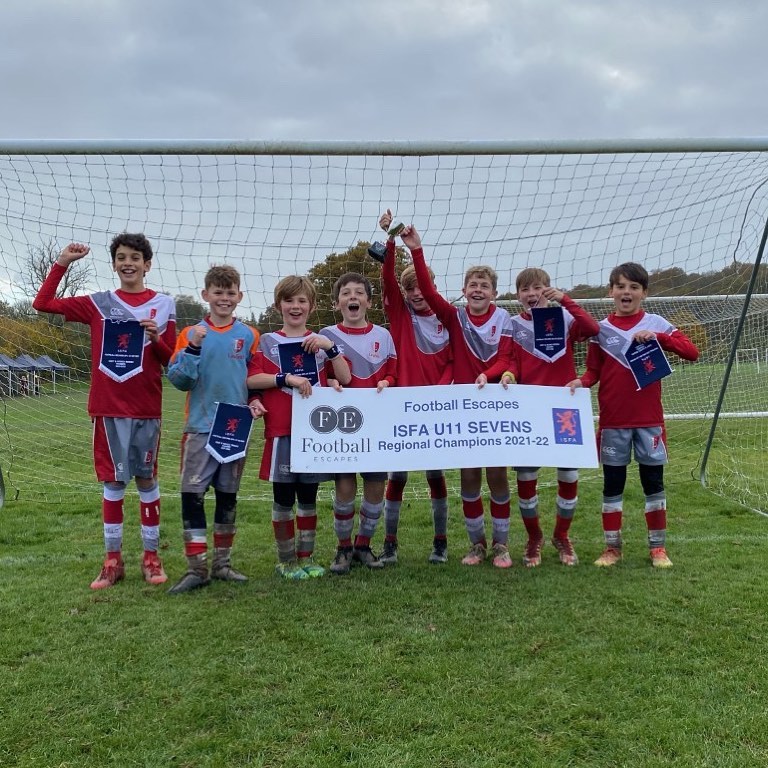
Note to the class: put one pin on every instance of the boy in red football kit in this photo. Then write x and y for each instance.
(631, 419)
(370, 351)
(133, 332)
(556, 368)
(481, 341)
(272, 370)
(424, 358)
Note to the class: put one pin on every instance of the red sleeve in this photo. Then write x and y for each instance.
(678, 343)
(514, 361)
(164, 346)
(585, 326)
(390, 371)
(591, 376)
(394, 303)
(446, 377)
(503, 360)
(255, 365)
(74, 308)
(442, 308)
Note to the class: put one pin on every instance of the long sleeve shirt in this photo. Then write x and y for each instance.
(531, 366)
(139, 397)
(424, 354)
(480, 343)
(215, 373)
(370, 352)
(622, 405)
(278, 401)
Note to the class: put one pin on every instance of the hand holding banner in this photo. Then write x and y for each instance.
(231, 430)
(647, 362)
(295, 360)
(549, 335)
(122, 349)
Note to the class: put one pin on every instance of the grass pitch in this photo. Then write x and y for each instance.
(417, 665)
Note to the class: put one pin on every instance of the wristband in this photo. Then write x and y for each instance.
(193, 349)
(280, 380)
(333, 352)
(510, 374)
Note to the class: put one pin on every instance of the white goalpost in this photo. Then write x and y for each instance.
(693, 212)
(749, 355)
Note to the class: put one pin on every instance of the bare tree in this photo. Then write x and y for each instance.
(36, 265)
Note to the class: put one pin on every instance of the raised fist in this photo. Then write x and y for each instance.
(72, 252)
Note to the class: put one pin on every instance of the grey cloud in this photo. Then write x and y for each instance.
(440, 69)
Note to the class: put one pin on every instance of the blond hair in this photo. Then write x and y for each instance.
(408, 277)
(482, 271)
(530, 276)
(295, 285)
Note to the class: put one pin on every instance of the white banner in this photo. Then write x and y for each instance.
(441, 427)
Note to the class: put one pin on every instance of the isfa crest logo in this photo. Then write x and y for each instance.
(648, 366)
(567, 424)
(232, 425)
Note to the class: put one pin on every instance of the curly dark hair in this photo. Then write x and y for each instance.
(137, 241)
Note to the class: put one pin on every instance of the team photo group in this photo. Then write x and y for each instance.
(233, 374)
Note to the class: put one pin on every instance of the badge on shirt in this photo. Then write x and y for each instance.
(548, 330)
(122, 349)
(294, 359)
(229, 435)
(647, 362)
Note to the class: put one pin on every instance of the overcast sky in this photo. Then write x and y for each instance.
(361, 70)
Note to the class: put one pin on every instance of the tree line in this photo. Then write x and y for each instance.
(22, 330)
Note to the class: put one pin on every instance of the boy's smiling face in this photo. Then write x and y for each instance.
(353, 303)
(479, 293)
(415, 298)
(295, 312)
(627, 296)
(131, 268)
(222, 302)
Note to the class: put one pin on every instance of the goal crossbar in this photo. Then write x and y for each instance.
(575, 208)
(378, 148)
